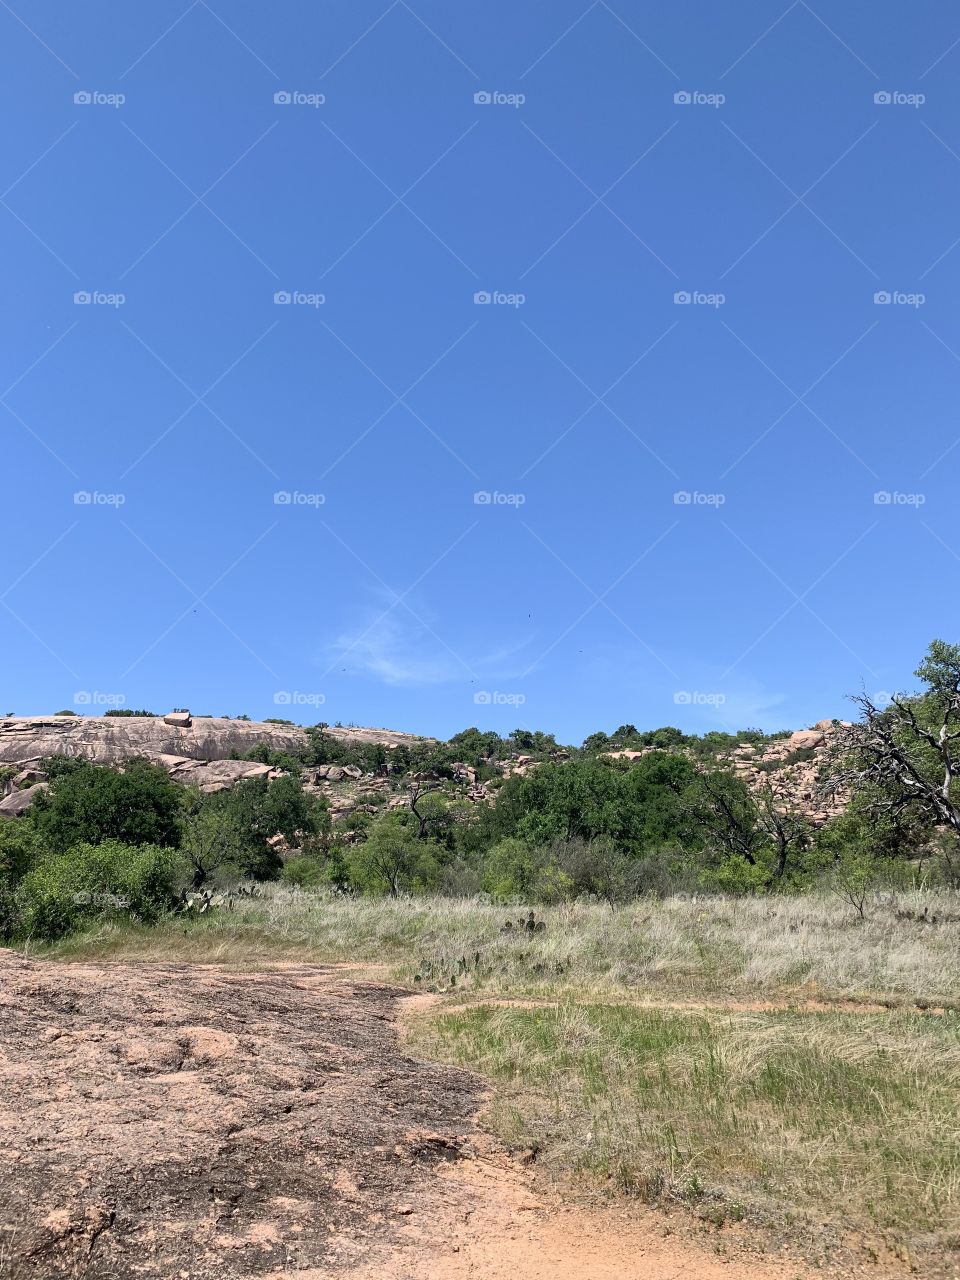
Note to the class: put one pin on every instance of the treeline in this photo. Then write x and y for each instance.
(571, 823)
(132, 839)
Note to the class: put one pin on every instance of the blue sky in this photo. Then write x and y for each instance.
(719, 247)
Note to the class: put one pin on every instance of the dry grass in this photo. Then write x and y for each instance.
(755, 947)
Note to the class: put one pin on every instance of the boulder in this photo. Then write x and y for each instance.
(27, 777)
(179, 719)
(804, 738)
(18, 802)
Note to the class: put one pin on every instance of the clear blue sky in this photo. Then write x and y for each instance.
(585, 187)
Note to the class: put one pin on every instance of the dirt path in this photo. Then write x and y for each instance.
(490, 1223)
(732, 1005)
(186, 1122)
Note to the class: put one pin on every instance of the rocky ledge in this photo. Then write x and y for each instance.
(195, 750)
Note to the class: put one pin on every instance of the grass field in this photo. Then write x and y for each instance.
(773, 1060)
(775, 1116)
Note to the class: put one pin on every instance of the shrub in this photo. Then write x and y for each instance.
(305, 873)
(89, 803)
(510, 870)
(63, 890)
(18, 851)
(591, 868)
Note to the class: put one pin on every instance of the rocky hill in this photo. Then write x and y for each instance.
(202, 751)
(195, 750)
(790, 767)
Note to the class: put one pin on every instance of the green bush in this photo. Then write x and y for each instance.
(64, 890)
(510, 870)
(90, 803)
(304, 873)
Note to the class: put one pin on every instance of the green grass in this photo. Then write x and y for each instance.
(847, 1119)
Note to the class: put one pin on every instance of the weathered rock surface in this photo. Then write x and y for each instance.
(166, 1121)
(794, 781)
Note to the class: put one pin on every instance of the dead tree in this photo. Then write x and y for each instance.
(903, 758)
(744, 823)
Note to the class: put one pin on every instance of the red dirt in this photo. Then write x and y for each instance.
(492, 1222)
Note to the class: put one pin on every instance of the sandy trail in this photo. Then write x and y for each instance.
(491, 1223)
(164, 1121)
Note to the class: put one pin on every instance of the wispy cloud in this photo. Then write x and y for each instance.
(403, 646)
(397, 652)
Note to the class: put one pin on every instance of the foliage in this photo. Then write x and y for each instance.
(304, 873)
(213, 841)
(247, 815)
(18, 850)
(511, 871)
(87, 803)
(902, 761)
(637, 807)
(18, 853)
(852, 878)
(64, 890)
(392, 859)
